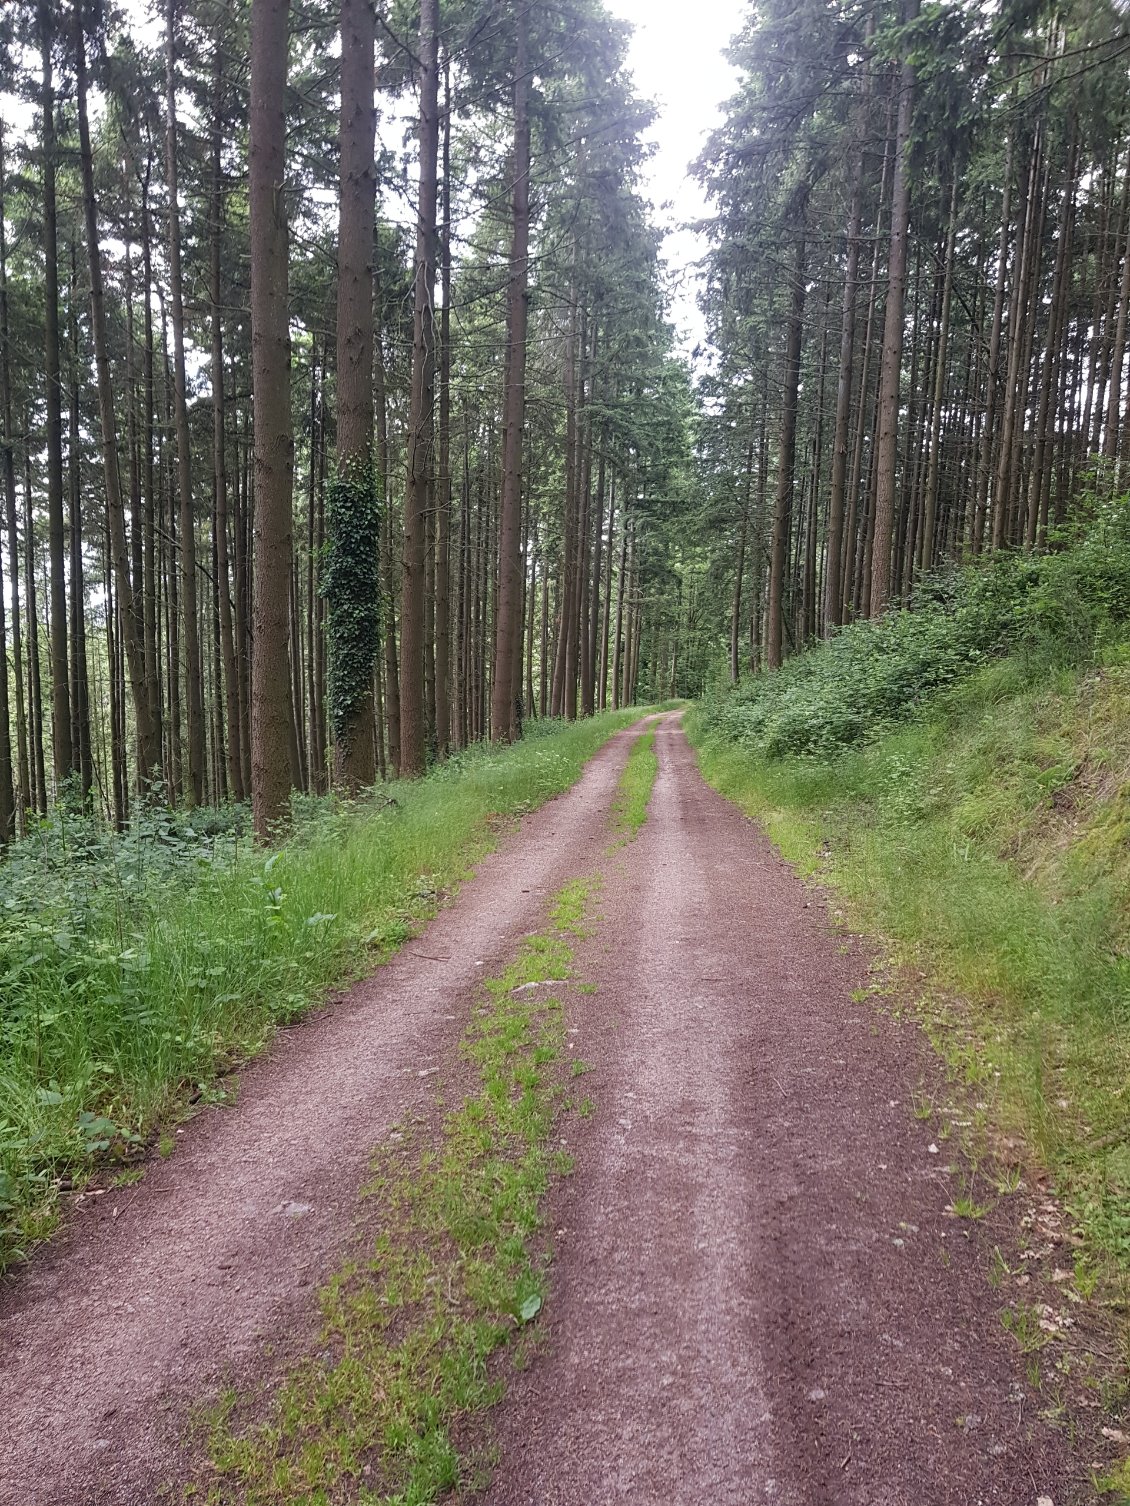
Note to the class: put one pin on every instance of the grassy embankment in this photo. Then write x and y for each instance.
(135, 969)
(960, 774)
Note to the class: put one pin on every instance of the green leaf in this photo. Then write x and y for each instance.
(530, 1308)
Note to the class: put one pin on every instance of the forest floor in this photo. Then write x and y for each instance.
(761, 1287)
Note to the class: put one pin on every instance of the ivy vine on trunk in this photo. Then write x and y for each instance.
(350, 584)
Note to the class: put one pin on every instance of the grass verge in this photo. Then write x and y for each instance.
(134, 970)
(629, 808)
(987, 841)
(456, 1272)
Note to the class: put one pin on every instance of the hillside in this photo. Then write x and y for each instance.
(960, 776)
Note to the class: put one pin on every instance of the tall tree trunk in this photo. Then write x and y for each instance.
(606, 622)
(63, 758)
(148, 741)
(80, 680)
(503, 727)
(172, 583)
(272, 721)
(23, 781)
(592, 698)
(786, 455)
(242, 521)
(353, 582)
(855, 528)
(621, 586)
(564, 669)
(463, 602)
(117, 810)
(930, 500)
(1114, 402)
(1011, 411)
(443, 498)
(313, 545)
(8, 463)
(421, 418)
(985, 460)
(152, 502)
(388, 579)
(1037, 508)
(219, 446)
(193, 664)
(34, 669)
(739, 570)
(222, 751)
(891, 370)
(833, 574)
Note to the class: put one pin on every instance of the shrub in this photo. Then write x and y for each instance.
(1055, 610)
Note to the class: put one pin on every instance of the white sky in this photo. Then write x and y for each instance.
(676, 56)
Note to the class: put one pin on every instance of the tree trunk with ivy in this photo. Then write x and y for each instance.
(352, 584)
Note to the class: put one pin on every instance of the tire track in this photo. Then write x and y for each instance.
(757, 1295)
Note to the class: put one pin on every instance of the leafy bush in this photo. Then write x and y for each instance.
(1059, 609)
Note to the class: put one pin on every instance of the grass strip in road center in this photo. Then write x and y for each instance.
(633, 795)
(456, 1271)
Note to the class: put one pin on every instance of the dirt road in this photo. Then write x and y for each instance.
(207, 1268)
(757, 1294)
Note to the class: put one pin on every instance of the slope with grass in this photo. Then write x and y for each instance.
(959, 773)
(135, 968)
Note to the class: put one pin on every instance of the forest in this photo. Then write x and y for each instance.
(478, 433)
(493, 488)
(380, 541)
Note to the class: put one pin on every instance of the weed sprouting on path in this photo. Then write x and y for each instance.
(135, 969)
(455, 1272)
(629, 808)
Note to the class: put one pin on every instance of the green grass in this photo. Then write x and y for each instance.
(133, 970)
(987, 841)
(636, 783)
(456, 1272)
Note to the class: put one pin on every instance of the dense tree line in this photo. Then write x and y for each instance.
(918, 291)
(323, 454)
(340, 423)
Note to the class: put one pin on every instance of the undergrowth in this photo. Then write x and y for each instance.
(1057, 610)
(456, 1272)
(135, 968)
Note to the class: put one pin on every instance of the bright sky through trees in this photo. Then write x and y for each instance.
(682, 68)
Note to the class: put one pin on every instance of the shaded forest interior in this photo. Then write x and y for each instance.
(343, 423)
(466, 446)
